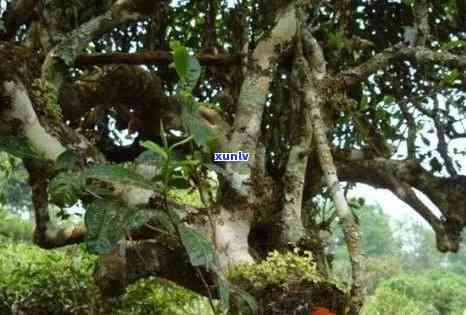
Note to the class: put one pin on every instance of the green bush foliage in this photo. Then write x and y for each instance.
(156, 297)
(35, 281)
(387, 301)
(285, 270)
(13, 227)
(433, 292)
(60, 282)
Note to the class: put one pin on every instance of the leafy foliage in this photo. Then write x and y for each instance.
(19, 147)
(15, 192)
(445, 291)
(187, 67)
(67, 160)
(13, 227)
(437, 292)
(391, 302)
(157, 297)
(285, 270)
(204, 136)
(25, 271)
(106, 222)
(200, 251)
(116, 174)
(66, 187)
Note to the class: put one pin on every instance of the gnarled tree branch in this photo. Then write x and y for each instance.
(315, 72)
(448, 194)
(152, 58)
(66, 51)
(358, 74)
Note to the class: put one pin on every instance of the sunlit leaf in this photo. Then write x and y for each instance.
(117, 174)
(155, 148)
(181, 59)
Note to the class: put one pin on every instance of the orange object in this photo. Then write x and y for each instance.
(319, 310)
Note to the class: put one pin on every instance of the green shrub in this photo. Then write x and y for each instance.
(13, 227)
(279, 269)
(387, 301)
(156, 297)
(444, 292)
(36, 281)
(48, 282)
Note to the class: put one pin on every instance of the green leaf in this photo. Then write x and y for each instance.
(105, 223)
(117, 174)
(179, 182)
(184, 141)
(245, 297)
(453, 44)
(364, 102)
(187, 67)
(154, 147)
(181, 59)
(65, 188)
(336, 40)
(174, 45)
(194, 72)
(150, 158)
(450, 77)
(200, 251)
(203, 134)
(67, 160)
(136, 218)
(387, 99)
(19, 147)
(165, 221)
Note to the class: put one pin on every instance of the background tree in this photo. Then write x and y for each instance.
(314, 91)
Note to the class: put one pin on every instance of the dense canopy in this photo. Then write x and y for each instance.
(117, 104)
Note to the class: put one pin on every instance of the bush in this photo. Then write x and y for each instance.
(48, 282)
(442, 291)
(35, 281)
(285, 270)
(387, 301)
(156, 297)
(13, 227)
